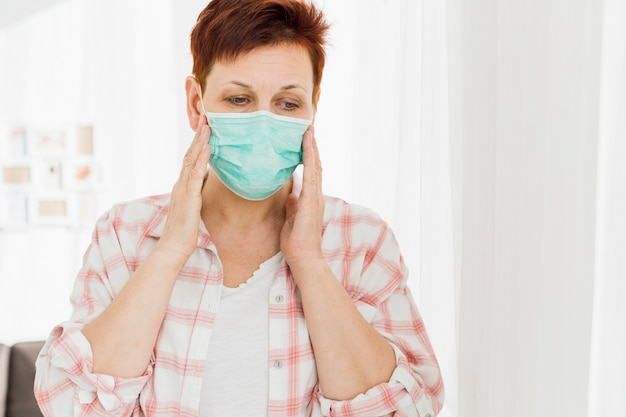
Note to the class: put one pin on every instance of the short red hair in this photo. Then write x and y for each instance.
(228, 28)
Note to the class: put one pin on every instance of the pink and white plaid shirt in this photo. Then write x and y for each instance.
(360, 249)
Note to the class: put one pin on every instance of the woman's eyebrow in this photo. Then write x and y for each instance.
(283, 88)
(293, 86)
(249, 87)
(239, 83)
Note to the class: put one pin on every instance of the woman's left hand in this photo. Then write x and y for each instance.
(301, 235)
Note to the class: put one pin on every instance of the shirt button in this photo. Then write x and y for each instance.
(279, 298)
(278, 364)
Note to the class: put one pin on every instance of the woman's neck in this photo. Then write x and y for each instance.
(223, 208)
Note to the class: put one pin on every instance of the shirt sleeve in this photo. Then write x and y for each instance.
(65, 384)
(379, 291)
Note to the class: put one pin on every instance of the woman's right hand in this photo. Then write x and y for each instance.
(180, 234)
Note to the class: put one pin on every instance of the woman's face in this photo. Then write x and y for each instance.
(274, 78)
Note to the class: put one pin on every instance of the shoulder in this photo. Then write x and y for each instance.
(143, 215)
(339, 213)
(355, 230)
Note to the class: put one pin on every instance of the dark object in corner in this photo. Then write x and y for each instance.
(17, 375)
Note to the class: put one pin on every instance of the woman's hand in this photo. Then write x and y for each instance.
(180, 234)
(301, 236)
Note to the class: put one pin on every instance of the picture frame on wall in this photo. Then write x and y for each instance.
(14, 210)
(81, 174)
(16, 175)
(13, 142)
(48, 142)
(51, 210)
(49, 173)
(84, 140)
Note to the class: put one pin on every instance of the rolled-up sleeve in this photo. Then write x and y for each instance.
(405, 394)
(66, 385)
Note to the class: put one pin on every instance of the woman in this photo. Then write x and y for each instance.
(244, 292)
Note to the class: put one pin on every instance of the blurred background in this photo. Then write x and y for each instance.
(490, 134)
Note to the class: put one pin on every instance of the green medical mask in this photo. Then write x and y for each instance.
(254, 154)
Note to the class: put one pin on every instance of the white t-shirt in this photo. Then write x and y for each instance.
(237, 363)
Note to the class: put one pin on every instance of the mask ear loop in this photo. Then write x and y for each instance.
(201, 100)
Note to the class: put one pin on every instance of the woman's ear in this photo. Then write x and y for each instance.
(194, 105)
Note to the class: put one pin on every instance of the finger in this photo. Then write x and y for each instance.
(191, 156)
(312, 175)
(316, 154)
(198, 171)
(199, 168)
(196, 144)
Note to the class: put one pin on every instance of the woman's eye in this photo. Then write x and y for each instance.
(289, 105)
(238, 101)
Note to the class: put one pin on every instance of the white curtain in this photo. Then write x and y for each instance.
(537, 124)
(608, 358)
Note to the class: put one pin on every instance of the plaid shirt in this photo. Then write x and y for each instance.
(361, 251)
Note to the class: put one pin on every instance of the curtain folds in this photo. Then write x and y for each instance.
(608, 362)
(537, 126)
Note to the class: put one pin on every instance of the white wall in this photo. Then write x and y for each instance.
(13, 11)
(76, 63)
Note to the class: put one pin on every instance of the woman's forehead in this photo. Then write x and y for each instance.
(283, 63)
